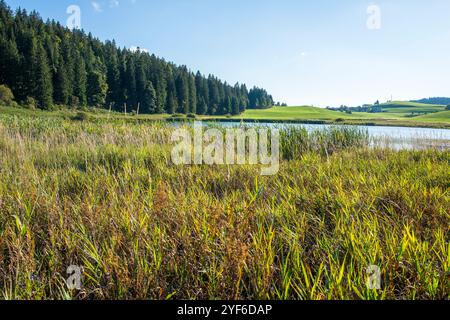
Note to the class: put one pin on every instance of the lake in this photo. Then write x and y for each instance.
(392, 137)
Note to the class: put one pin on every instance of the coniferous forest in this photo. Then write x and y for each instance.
(46, 65)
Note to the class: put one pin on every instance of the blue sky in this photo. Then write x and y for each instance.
(304, 52)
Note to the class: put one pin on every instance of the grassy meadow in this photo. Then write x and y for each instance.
(409, 107)
(105, 195)
(394, 114)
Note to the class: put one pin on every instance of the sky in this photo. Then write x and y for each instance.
(304, 52)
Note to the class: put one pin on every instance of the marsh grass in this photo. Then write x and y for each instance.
(108, 198)
(296, 141)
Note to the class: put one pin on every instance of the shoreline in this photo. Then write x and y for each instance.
(324, 122)
(94, 115)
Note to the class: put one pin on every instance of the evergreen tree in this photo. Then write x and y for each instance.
(141, 81)
(192, 95)
(243, 98)
(227, 105)
(149, 99)
(97, 89)
(259, 99)
(26, 75)
(9, 62)
(130, 83)
(202, 106)
(69, 66)
(43, 81)
(214, 99)
(80, 83)
(235, 109)
(161, 92)
(171, 103)
(182, 87)
(113, 77)
(61, 84)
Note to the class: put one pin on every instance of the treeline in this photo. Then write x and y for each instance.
(46, 64)
(370, 108)
(438, 100)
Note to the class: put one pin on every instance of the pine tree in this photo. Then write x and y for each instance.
(141, 80)
(227, 106)
(192, 95)
(130, 83)
(80, 82)
(202, 106)
(161, 93)
(25, 82)
(97, 89)
(43, 81)
(182, 87)
(259, 98)
(69, 66)
(235, 106)
(203, 96)
(149, 99)
(9, 62)
(171, 103)
(213, 96)
(243, 98)
(113, 77)
(61, 84)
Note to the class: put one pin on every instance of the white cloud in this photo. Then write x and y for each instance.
(97, 6)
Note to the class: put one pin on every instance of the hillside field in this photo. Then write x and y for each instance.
(398, 113)
(409, 107)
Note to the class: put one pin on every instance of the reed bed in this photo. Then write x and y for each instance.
(107, 197)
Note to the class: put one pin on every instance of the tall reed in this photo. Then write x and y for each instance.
(106, 197)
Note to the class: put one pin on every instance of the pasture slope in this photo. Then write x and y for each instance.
(394, 113)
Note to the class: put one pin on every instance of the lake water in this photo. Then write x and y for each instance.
(392, 137)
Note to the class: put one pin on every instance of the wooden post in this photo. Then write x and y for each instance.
(125, 106)
(139, 105)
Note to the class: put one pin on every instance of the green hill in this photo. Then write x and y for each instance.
(292, 113)
(395, 113)
(435, 100)
(411, 107)
(443, 116)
